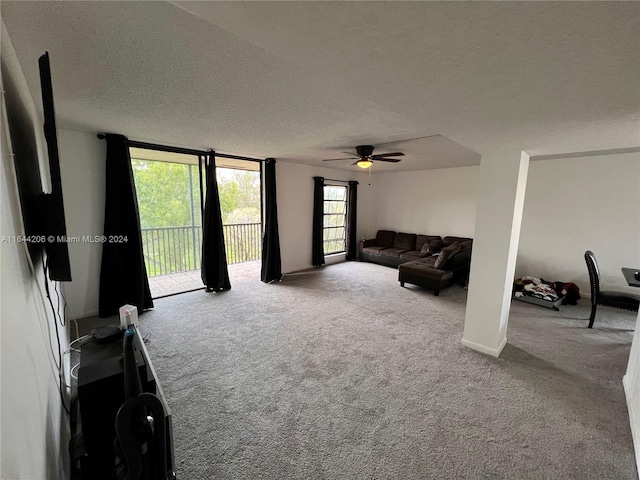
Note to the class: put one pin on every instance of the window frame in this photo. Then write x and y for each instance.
(328, 239)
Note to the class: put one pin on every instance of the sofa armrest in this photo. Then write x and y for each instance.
(459, 260)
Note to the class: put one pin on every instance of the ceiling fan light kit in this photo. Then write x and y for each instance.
(364, 163)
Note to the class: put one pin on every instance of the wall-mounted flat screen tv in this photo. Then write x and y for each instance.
(42, 212)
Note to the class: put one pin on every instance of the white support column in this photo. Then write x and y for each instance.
(631, 383)
(502, 184)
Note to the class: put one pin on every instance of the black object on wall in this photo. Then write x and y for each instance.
(352, 218)
(271, 259)
(52, 205)
(123, 276)
(214, 272)
(42, 213)
(317, 245)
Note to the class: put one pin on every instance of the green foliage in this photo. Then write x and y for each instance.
(239, 191)
(163, 193)
(229, 192)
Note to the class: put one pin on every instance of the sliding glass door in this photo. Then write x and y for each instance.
(170, 202)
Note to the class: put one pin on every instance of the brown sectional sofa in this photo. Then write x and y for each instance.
(418, 265)
(391, 248)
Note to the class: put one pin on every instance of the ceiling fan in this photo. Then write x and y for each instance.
(366, 158)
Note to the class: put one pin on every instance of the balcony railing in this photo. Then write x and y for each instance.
(178, 249)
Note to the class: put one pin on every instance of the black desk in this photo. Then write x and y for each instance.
(100, 393)
(629, 275)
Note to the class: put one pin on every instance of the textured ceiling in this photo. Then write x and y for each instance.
(303, 81)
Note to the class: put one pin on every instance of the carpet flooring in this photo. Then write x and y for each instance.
(340, 373)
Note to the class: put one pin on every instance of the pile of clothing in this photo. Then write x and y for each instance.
(545, 290)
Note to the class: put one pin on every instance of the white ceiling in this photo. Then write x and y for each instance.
(304, 81)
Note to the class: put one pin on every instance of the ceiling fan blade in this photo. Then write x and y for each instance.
(334, 159)
(383, 155)
(394, 160)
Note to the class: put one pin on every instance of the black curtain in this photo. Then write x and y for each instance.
(271, 260)
(214, 273)
(123, 276)
(352, 217)
(317, 247)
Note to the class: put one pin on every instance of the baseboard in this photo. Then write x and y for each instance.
(494, 352)
(328, 259)
(634, 419)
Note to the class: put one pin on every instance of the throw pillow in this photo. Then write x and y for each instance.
(435, 245)
(446, 253)
(425, 248)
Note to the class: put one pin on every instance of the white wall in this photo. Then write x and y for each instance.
(431, 202)
(578, 204)
(295, 210)
(34, 427)
(571, 205)
(82, 166)
(631, 380)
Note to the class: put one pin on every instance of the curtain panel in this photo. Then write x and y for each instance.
(271, 259)
(123, 275)
(214, 272)
(352, 217)
(317, 246)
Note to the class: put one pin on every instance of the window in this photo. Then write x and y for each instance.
(335, 218)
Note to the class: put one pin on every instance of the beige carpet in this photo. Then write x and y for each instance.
(339, 373)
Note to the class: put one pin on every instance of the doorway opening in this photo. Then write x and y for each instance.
(170, 203)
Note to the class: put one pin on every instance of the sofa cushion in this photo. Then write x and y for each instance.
(373, 249)
(405, 241)
(446, 241)
(423, 268)
(422, 239)
(392, 252)
(433, 246)
(412, 255)
(446, 253)
(428, 261)
(385, 238)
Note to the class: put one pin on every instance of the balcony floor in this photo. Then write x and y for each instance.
(164, 285)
